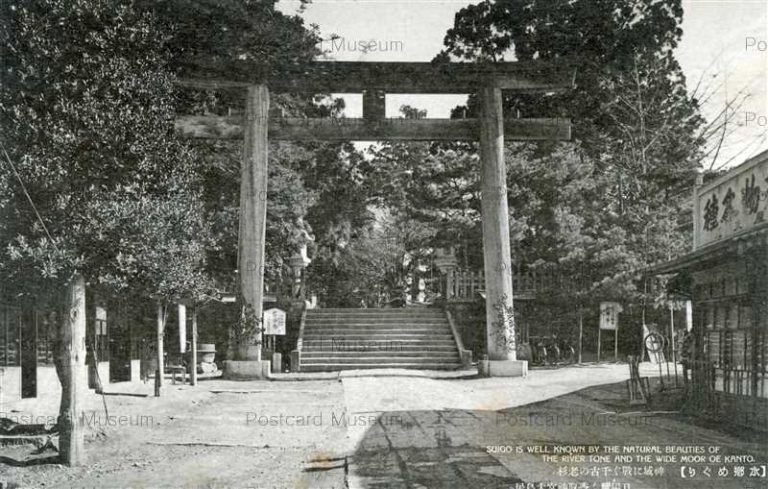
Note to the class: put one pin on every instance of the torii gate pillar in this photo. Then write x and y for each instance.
(253, 219)
(500, 321)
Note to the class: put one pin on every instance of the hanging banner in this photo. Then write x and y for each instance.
(274, 321)
(609, 315)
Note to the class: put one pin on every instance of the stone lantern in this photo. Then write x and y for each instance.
(298, 262)
(447, 263)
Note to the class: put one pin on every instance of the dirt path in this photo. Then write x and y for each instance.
(198, 438)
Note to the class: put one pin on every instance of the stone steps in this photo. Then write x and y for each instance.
(379, 346)
(409, 322)
(360, 336)
(345, 339)
(333, 367)
(378, 354)
(392, 358)
(377, 329)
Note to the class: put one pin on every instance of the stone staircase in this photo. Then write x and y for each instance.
(346, 339)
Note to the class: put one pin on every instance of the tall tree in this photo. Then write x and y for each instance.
(635, 126)
(101, 191)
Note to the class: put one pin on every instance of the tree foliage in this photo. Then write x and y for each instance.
(87, 109)
(608, 204)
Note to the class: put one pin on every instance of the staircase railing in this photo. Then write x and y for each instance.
(465, 355)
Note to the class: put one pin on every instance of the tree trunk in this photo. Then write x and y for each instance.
(160, 372)
(193, 354)
(70, 367)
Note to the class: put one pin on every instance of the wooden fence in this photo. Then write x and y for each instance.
(464, 285)
(735, 395)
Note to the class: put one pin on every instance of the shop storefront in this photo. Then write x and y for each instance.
(729, 272)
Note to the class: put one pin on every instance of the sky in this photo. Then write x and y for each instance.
(723, 50)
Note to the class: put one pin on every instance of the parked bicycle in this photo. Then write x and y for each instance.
(551, 350)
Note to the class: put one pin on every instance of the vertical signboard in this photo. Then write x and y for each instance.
(274, 322)
(609, 321)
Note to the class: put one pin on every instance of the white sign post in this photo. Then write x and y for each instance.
(609, 321)
(274, 322)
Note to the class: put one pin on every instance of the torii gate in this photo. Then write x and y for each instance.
(374, 81)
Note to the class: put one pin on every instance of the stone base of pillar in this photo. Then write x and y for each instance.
(247, 369)
(277, 362)
(295, 361)
(504, 368)
(252, 352)
(466, 358)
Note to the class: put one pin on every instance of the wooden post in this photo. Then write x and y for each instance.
(698, 182)
(672, 332)
(160, 372)
(500, 325)
(581, 331)
(672, 338)
(70, 366)
(253, 208)
(599, 337)
(374, 105)
(182, 320)
(616, 344)
(193, 361)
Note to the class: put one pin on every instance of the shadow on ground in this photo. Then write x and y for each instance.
(493, 448)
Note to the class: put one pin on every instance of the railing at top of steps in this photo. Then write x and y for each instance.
(464, 285)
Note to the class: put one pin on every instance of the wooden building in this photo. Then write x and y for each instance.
(728, 268)
(27, 345)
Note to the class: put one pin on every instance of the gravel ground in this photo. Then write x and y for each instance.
(211, 436)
